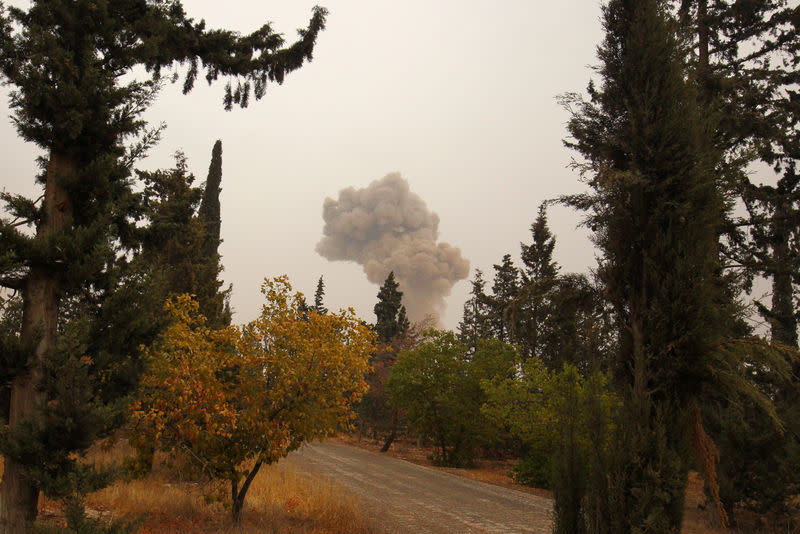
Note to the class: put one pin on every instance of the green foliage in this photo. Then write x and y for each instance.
(538, 256)
(437, 385)
(319, 297)
(656, 210)
(179, 247)
(556, 318)
(82, 73)
(566, 420)
(535, 468)
(476, 320)
(389, 311)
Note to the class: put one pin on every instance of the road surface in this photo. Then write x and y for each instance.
(409, 498)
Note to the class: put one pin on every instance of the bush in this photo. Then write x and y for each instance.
(535, 469)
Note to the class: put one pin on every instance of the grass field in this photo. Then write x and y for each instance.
(280, 500)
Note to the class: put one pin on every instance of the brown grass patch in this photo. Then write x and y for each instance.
(280, 500)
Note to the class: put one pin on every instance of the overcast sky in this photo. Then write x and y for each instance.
(456, 96)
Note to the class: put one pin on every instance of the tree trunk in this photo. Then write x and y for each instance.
(18, 495)
(783, 321)
(392, 434)
(238, 496)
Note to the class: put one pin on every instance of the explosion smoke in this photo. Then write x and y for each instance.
(385, 227)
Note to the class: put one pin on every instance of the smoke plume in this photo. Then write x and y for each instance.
(385, 227)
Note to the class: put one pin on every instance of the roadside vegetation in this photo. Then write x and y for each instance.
(628, 391)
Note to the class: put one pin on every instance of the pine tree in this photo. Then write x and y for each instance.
(528, 316)
(475, 323)
(538, 256)
(319, 295)
(388, 310)
(504, 291)
(655, 210)
(72, 66)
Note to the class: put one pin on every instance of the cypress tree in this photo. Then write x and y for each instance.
(209, 213)
(71, 65)
(213, 301)
(655, 210)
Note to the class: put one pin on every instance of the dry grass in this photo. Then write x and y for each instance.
(281, 500)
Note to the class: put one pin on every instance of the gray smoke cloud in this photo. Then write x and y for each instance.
(385, 227)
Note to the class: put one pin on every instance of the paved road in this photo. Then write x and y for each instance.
(410, 498)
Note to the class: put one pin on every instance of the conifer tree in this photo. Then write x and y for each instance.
(538, 256)
(319, 296)
(390, 311)
(504, 290)
(748, 54)
(72, 66)
(655, 210)
(209, 213)
(476, 321)
(214, 302)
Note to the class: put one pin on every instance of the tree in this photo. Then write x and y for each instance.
(389, 311)
(225, 402)
(214, 304)
(655, 210)
(538, 256)
(437, 385)
(566, 420)
(319, 296)
(73, 68)
(504, 290)
(747, 66)
(476, 320)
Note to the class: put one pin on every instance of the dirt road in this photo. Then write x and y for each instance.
(408, 498)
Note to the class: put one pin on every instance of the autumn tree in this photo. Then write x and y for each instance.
(73, 67)
(225, 402)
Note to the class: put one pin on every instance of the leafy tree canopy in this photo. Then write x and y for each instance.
(224, 402)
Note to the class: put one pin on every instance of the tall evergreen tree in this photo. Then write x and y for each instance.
(209, 213)
(538, 256)
(655, 210)
(747, 65)
(214, 302)
(319, 296)
(389, 311)
(504, 291)
(72, 66)
(175, 253)
(476, 320)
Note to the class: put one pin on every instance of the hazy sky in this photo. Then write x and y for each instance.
(456, 96)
